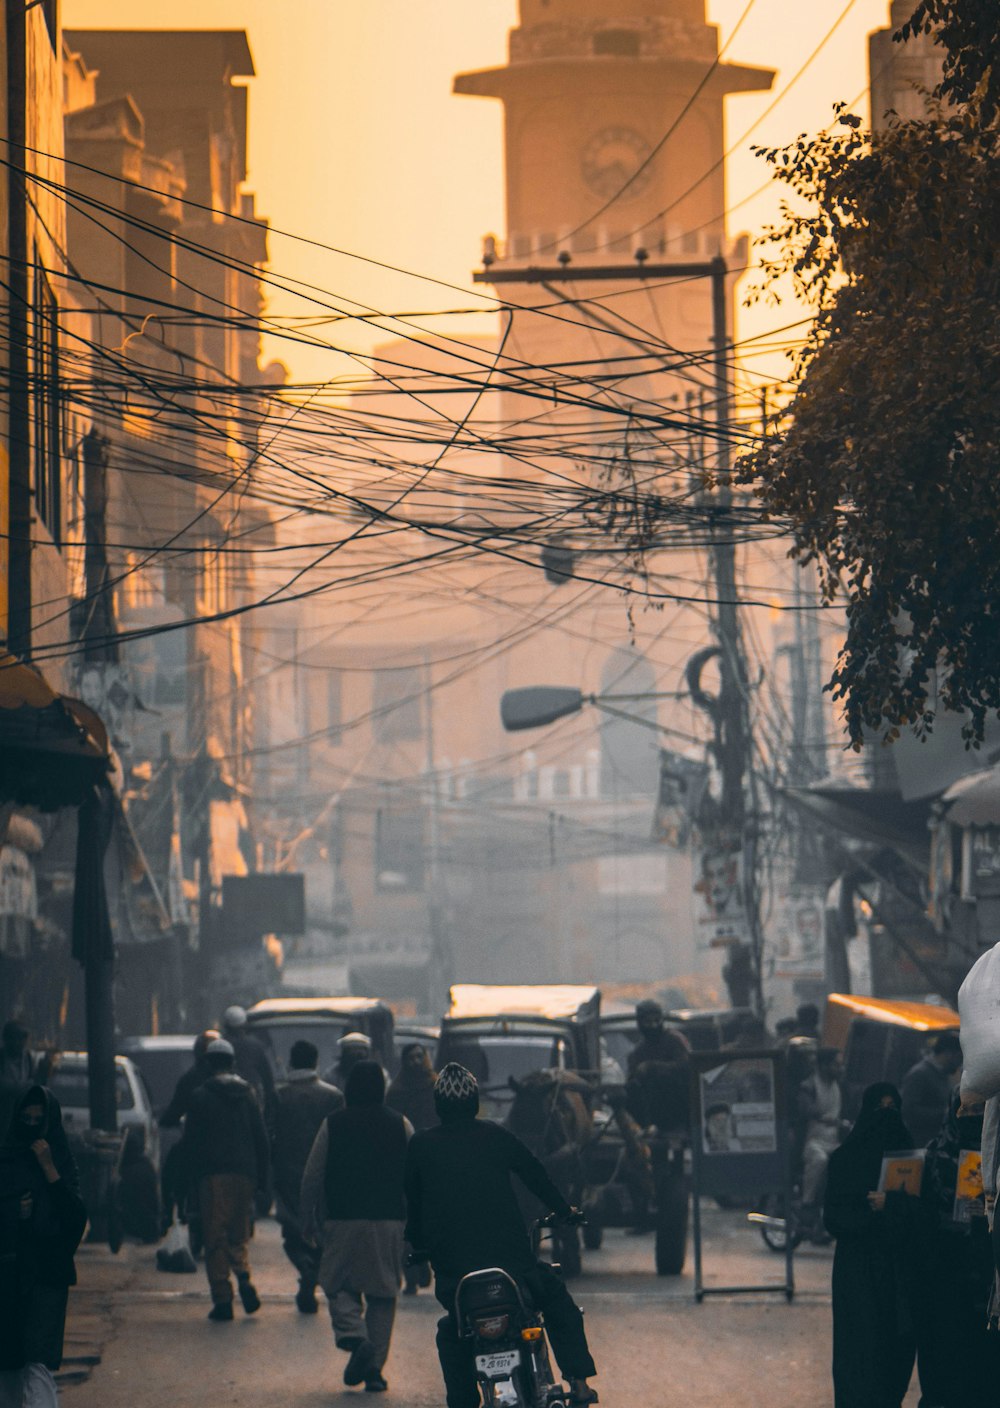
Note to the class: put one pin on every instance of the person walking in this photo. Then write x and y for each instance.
(463, 1214)
(352, 1047)
(189, 1081)
(252, 1062)
(412, 1094)
(820, 1108)
(41, 1223)
(412, 1091)
(874, 1270)
(352, 1205)
(926, 1088)
(957, 1356)
(17, 1068)
(301, 1105)
(225, 1154)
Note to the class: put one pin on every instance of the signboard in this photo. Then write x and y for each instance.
(253, 905)
(739, 1142)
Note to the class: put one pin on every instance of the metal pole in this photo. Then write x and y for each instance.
(735, 756)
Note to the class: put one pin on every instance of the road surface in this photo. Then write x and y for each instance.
(652, 1344)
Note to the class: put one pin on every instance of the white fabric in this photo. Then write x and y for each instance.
(30, 1387)
(979, 1009)
(991, 1134)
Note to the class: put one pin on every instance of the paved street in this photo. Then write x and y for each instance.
(653, 1345)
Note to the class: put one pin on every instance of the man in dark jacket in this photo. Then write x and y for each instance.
(926, 1088)
(252, 1061)
(300, 1107)
(463, 1213)
(195, 1075)
(412, 1094)
(225, 1153)
(352, 1201)
(658, 1086)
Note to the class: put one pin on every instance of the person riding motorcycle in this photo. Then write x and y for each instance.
(463, 1215)
(658, 1085)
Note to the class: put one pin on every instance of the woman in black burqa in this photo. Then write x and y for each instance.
(874, 1267)
(41, 1223)
(957, 1355)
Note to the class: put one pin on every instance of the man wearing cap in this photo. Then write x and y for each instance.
(464, 1215)
(352, 1047)
(252, 1062)
(225, 1156)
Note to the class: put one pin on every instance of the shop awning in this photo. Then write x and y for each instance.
(875, 818)
(53, 749)
(975, 800)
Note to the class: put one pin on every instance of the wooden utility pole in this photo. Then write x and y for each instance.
(730, 711)
(19, 403)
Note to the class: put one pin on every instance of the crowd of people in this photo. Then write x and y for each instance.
(377, 1184)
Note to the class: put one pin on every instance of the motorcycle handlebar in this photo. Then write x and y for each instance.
(575, 1218)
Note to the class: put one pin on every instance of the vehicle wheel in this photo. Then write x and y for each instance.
(671, 1224)
(568, 1251)
(593, 1236)
(776, 1238)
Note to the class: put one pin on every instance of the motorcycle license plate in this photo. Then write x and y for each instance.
(497, 1366)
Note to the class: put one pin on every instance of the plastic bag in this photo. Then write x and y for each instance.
(979, 1009)
(175, 1254)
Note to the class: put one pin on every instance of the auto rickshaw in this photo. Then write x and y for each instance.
(880, 1038)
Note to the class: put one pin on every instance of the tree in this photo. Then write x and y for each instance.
(887, 462)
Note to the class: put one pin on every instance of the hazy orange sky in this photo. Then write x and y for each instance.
(356, 140)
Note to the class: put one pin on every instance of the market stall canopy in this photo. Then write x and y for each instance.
(53, 749)
(974, 800)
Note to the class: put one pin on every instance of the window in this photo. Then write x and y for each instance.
(397, 704)
(399, 849)
(620, 43)
(48, 413)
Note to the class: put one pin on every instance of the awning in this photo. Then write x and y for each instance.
(975, 800)
(876, 818)
(53, 749)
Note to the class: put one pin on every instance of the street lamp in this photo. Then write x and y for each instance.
(538, 705)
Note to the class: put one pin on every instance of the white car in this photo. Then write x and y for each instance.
(68, 1083)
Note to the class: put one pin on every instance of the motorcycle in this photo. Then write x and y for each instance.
(513, 1364)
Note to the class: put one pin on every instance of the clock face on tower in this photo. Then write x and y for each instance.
(611, 157)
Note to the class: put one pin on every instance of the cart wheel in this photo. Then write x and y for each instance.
(671, 1224)
(593, 1235)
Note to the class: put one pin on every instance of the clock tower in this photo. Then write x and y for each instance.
(614, 145)
(590, 90)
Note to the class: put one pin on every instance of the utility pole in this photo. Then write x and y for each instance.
(19, 404)
(729, 711)
(98, 814)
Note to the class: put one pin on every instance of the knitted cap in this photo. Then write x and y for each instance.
(456, 1093)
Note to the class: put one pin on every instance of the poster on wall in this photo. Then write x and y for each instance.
(738, 1108)
(719, 911)
(798, 936)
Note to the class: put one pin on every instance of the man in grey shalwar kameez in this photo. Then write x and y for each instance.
(352, 1204)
